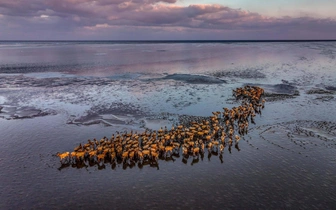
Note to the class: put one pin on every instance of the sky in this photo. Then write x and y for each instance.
(167, 19)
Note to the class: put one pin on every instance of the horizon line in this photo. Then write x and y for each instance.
(179, 40)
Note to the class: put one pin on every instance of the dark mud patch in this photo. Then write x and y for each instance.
(281, 89)
(126, 76)
(168, 120)
(244, 74)
(12, 112)
(28, 67)
(318, 91)
(187, 120)
(278, 91)
(331, 88)
(161, 120)
(92, 119)
(194, 79)
(21, 81)
(114, 114)
(277, 97)
(323, 94)
(325, 98)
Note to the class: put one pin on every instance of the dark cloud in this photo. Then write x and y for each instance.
(73, 18)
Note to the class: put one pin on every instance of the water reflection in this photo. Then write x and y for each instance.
(221, 158)
(103, 164)
(237, 147)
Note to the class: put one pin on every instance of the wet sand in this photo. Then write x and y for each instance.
(286, 161)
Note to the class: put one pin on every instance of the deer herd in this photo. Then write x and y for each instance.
(214, 133)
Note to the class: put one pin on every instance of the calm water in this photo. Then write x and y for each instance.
(55, 95)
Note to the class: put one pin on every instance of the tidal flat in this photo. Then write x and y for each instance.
(56, 95)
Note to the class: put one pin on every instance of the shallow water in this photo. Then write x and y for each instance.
(55, 96)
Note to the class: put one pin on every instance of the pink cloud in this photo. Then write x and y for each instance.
(74, 15)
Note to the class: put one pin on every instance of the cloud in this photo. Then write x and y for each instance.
(154, 16)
